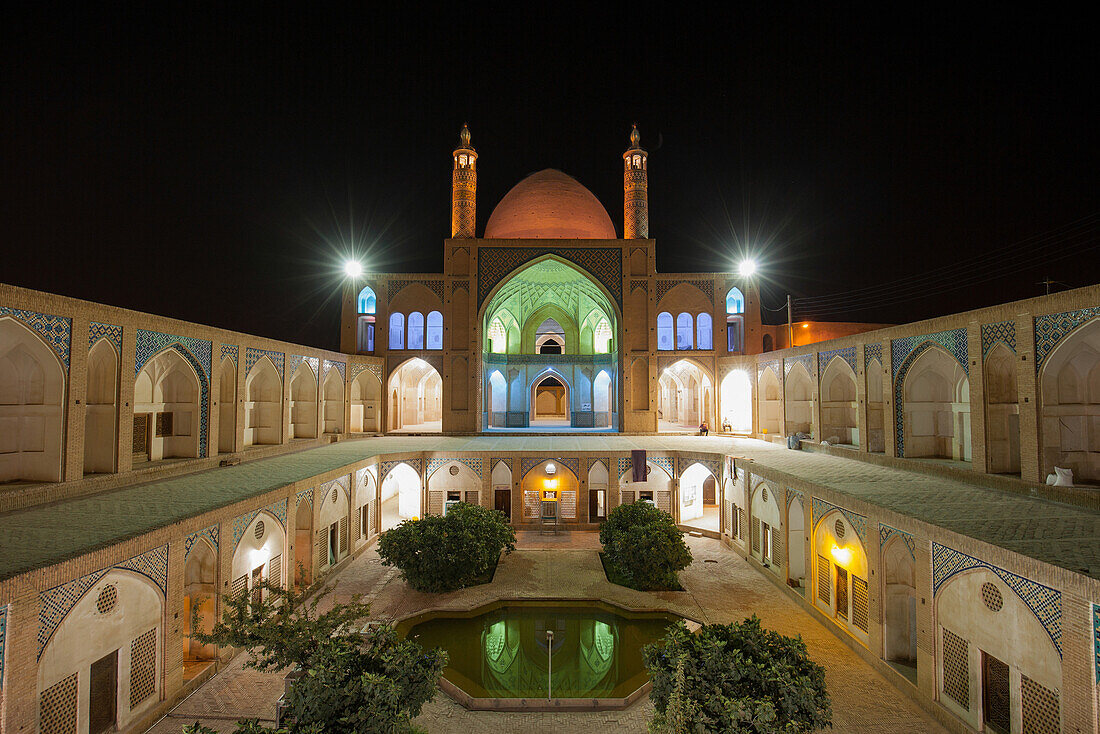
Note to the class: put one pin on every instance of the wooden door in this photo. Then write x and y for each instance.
(502, 501)
(996, 704)
(141, 433)
(841, 593)
(103, 694)
(597, 505)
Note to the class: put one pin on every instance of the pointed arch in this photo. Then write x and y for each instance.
(367, 301)
(366, 403)
(101, 412)
(168, 394)
(798, 400)
(303, 402)
(550, 398)
(416, 396)
(400, 493)
(769, 394)
(1002, 411)
(227, 406)
(32, 399)
(935, 404)
(332, 402)
(876, 417)
(1069, 387)
(263, 406)
(735, 394)
(839, 409)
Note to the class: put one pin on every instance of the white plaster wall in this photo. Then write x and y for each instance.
(691, 492)
(253, 552)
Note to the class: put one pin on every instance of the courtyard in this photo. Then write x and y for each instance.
(720, 587)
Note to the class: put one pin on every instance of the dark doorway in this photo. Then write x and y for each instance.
(103, 694)
(333, 543)
(141, 435)
(710, 494)
(996, 704)
(597, 505)
(257, 590)
(841, 593)
(502, 501)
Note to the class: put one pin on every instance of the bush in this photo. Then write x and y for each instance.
(447, 552)
(644, 547)
(736, 678)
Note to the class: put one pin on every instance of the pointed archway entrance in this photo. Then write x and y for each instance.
(550, 402)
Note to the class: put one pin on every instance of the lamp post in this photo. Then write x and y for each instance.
(549, 663)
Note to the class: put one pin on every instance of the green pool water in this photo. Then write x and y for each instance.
(502, 651)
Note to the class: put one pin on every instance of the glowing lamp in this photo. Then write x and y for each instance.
(747, 267)
(353, 268)
(550, 468)
(805, 326)
(843, 556)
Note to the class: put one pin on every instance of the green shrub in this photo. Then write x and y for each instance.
(644, 547)
(737, 678)
(447, 552)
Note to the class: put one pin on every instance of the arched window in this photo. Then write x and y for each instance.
(416, 330)
(704, 338)
(498, 340)
(664, 330)
(368, 303)
(435, 330)
(684, 329)
(601, 338)
(735, 301)
(397, 331)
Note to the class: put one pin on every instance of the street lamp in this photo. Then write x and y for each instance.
(747, 267)
(353, 268)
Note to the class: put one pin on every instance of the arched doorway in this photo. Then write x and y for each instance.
(698, 499)
(876, 433)
(683, 394)
(736, 396)
(258, 556)
(366, 403)
(401, 496)
(495, 416)
(200, 588)
(332, 405)
(1002, 412)
(657, 488)
(227, 407)
(303, 542)
(840, 574)
(900, 606)
(796, 545)
(766, 526)
(333, 534)
(798, 407)
(166, 408)
(502, 488)
(603, 397)
(416, 396)
(549, 402)
(303, 402)
(769, 393)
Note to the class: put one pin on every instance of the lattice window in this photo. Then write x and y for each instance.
(107, 599)
(956, 668)
(275, 570)
(239, 585)
(991, 597)
(531, 503)
(569, 505)
(728, 516)
(838, 528)
(859, 603)
(57, 707)
(742, 523)
(777, 548)
(320, 549)
(664, 501)
(435, 501)
(141, 434)
(1040, 708)
(824, 572)
(357, 531)
(764, 493)
(628, 497)
(344, 534)
(370, 519)
(756, 535)
(164, 424)
(472, 498)
(143, 667)
(260, 529)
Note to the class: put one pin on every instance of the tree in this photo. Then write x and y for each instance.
(737, 678)
(447, 552)
(351, 681)
(644, 546)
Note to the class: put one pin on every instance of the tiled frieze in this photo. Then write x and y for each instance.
(110, 332)
(232, 351)
(1051, 329)
(886, 532)
(396, 285)
(820, 508)
(494, 264)
(526, 465)
(806, 360)
(474, 464)
(305, 495)
(56, 330)
(58, 601)
(340, 367)
(904, 353)
(293, 361)
(198, 352)
(792, 495)
(253, 355)
(1043, 601)
(1000, 332)
(210, 534)
(848, 354)
(240, 524)
(624, 466)
(872, 352)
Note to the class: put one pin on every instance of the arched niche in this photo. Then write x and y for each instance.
(416, 396)
(684, 392)
(200, 590)
(936, 407)
(657, 488)
(501, 480)
(766, 525)
(166, 408)
(1002, 411)
(769, 393)
(303, 402)
(332, 537)
(401, 496)
(496, 399)
(109, 645)
(452, 482)
(1069, 386)
(561, 480)
(899, 603)
(32, 399)
(603, 400)
(101, 412)
(840, 574)
(735, 395)
(639, 384)
(598, 484)
(227, 406)
(876, 433)
(332, 401)
(259, 556)
(697, 492)
(366, 403)
(796, 544)
(839, 416)
(263, 404)
(550, 400)
(303, 543)
(798, 400)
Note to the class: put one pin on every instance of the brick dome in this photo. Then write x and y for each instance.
(550, 205)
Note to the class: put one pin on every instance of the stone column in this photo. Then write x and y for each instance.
(284, 436)
(862, 421)
(783, 397)
(977, 397)
(213, 424)
(20, 694)
(1028, 397)
(241, 361)
(875, 612)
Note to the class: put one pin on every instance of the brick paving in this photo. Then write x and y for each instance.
(567, 566)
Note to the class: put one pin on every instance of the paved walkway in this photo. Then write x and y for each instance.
(720, 588)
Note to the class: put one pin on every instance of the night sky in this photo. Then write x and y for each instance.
(217, 168)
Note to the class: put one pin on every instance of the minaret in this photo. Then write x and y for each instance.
(635, 190)
(464, 188)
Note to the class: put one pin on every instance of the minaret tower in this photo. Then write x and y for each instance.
(635, 190)
(464, 188)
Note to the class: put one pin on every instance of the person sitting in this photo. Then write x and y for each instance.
(726, 428)
(703, 430)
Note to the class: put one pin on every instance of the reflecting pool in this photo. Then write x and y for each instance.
(504, 651)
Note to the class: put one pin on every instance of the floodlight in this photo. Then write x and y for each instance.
(747, 267)
(353, 268)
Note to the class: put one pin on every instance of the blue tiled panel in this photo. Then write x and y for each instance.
(252, 356)
(1051, 329)
(820, 508)
(110, 332)
(806, 360)
(387, 466)
(872, 351)
(904, 352)
(474, 464)
(885, 532)
(1001, 332)
(526, 465)
(56, 330)
(1043, 601)
(340, 367)
(232, 351)
(210, 534)
(605, 264)
(714, 467)
(197, 352)
(293, 360)
(848, 354)
(240, 524)
(793, 494)
(305, 495)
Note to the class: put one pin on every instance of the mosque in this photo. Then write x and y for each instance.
(150, 465)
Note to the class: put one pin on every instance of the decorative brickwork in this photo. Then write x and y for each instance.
(641, 285)
(396, 285)
(1051, 329)
(706, 286)
(872, 352)
(55, 330)
(294, 360)
(341, 367)
(820, 508)
(605, 264)
(305, 495)
(57, 707)
(232, 351)
(143, 667)
(526, 465)
(110, 332)
(713, 466)
(1003, 332)
(252, 356)
(210, 534)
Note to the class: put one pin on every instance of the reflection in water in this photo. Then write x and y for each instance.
(503, 653)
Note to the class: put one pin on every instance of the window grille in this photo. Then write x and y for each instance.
(57, 707)
(859, 603)
(756, 535)
(260, 530)
(143, 667)
(742, 523)
(107, 599)
(824, 572)
(164, 424)
(1040, 708)
(777, 548)
(628, 497)
(435, 501)
(569, 504)
(991, 597)
(664, 501)
(370, 520)
(344, 534)
(838, 528)
(956, 669)
(141, 434)
(471, 497)
(357, 532)
(320, 549)
(239, 585)
(275, 570)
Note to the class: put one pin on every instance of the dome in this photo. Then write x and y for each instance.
(549, 205)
